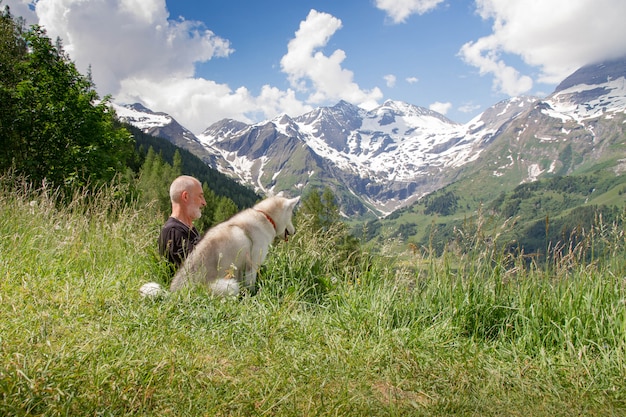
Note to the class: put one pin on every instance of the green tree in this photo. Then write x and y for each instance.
(321, 208)
(444, 204)
(13, 50)
(224, 210)
(208, 212)
(153, 183)
(53, 124)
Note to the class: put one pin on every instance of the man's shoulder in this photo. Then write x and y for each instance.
(176, 226)
(172, 223)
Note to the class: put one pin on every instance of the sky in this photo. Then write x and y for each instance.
(252, 60)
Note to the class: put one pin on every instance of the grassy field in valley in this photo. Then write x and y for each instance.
(480, 333)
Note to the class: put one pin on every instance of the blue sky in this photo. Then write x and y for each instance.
(201, 61)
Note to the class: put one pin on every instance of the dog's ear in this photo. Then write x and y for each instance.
(292, 202)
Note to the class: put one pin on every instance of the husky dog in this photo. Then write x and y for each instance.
(230, 253)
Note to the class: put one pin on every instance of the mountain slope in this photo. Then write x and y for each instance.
(162, 125)
(385, 158)
(557, 159)
(580, 125)
(380, 160)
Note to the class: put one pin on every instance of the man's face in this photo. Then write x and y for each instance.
(196, 202)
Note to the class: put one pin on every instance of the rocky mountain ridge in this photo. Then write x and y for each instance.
(377, 161)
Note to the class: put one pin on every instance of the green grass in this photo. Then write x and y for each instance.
(477, 333)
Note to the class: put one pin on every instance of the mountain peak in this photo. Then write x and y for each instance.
(139, 107)
(381, 159)
(342, 104)
(391, 109)
(595, 74)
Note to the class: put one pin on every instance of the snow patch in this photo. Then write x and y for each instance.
(534, 170)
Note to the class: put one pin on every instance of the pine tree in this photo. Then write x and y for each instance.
(224, 210)
(321, 208)
(155, 178)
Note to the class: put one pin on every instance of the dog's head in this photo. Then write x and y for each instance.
(280, 210)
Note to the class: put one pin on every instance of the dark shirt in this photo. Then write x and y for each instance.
(177, 240)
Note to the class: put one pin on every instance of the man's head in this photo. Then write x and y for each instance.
(187, 198)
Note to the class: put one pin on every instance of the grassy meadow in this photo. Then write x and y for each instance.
(382, 332)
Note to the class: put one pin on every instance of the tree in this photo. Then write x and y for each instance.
(208, 212)
(320, 212)
(224, 210)
(444, 204)
(153, 183)
(12, 53)
(53, 125)
(321, 208)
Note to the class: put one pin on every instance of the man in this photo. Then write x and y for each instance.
(178, 235)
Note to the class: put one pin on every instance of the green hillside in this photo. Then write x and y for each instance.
(221, 184)
(538, 215)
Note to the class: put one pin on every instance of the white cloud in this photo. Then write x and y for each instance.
(138, 54)
(412, 80)
(400, 10)
(439, 107)
(121, 40)
(22, 8)
(321, 76)
(557, 36)
(273, 101)
(390, 80)
(196, 102)
(469, 107)
(507, 79)
(198, 98)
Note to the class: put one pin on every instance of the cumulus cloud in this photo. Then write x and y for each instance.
(390, 80)
(322, 77)
(138, 54)
(439, 107)
(412, 80)
(197, 102)
(123, 39)
(399, 10)
(556, 36)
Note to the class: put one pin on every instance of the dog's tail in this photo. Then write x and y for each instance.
(152, 290)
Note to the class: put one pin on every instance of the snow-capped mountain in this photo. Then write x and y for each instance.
(386, 157)
(156, 124)
(382, 159)
(162, 125)
(580, 124)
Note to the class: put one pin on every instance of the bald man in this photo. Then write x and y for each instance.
(178, 235)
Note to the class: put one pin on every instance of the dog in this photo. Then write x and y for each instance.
(230, 254)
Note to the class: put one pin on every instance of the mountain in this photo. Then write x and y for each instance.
(375, 160)
(381, 160)
(580, 125)
(162, 125)
(552, 166)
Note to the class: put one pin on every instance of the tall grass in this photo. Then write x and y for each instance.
(472, 332)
